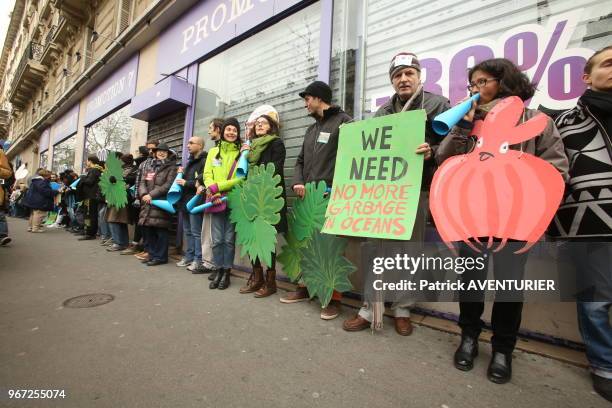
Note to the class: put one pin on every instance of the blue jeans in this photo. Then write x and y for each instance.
(119, 232)
(192, 228)
(223, 236)
(102, 224)
(157, 243)
(596, 331)
(4, 224)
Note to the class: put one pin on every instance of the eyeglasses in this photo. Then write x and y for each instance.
(262, 123)
(481, 83)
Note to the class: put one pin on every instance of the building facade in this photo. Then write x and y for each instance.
(81, 77)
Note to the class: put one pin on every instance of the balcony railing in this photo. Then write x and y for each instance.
(49, 36)
(34, 52)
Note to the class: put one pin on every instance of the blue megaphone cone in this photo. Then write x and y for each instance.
(443, 123)
(164, 205)
(202, 207)
(75, 183)
(243, 164)
(176, 190)
(191, 204)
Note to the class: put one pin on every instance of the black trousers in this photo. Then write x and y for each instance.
(507, 311)
(156, 240)
(273, 263)
(91, 217)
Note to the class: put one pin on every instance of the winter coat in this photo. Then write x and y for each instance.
(5, 173)
(120, 215)
(193, 171)
(433, 106)
(275, 153)
(40, 195)
(317, 159)
(156, 183)
(585, 210)
(547, 146)
(216, 172)
(88, 188)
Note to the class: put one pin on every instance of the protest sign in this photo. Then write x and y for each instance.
(377, 180)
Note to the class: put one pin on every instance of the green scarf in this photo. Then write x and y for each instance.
(258, 145)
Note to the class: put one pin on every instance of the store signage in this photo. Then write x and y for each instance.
(541, 51)
(117, 89)
(66, 125)
(209, 25)
(43, 142)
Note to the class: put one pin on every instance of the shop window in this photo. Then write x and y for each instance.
(111, 133)
(450, 36)
(270, 67)
(63, 155)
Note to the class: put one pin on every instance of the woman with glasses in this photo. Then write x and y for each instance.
(495, 79)
(266, 147)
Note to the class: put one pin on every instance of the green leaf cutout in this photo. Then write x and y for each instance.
(255, 206)
(115, 193)
(324, 268)
(309, 212)
(291, 253)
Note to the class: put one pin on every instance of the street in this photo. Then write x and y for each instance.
(166, 340)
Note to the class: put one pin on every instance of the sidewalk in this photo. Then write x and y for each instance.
(168, 341)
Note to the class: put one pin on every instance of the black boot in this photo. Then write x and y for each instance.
(213, 275)
(216, 282)
(466, 353)
(500, 368)
(225, 281)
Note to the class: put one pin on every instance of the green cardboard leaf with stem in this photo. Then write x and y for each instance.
(111, 183)
(291, 253)
(255, 206)
(309, 212)
(324, 268)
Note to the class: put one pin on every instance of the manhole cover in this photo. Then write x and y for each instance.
(94, 299)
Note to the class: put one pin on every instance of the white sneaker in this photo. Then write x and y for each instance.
(193, 266)
(183, 263)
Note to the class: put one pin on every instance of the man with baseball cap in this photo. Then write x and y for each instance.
(316, 162)
(405, 76)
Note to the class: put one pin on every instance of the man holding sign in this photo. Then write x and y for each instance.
(316, 162)
(384, 177)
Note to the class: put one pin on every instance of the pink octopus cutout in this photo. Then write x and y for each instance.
(493, 191)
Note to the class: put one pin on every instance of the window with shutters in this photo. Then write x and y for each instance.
(282, 60)
(124, 12)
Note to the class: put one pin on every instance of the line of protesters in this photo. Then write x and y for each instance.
(578, 145)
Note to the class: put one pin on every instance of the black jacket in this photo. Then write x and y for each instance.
(317, 160)
(433, 105)
(156, 184)
(40, 195)
(192, 171)
(275, 153)
(88, 188)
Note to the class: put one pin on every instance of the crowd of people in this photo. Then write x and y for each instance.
(209, 238)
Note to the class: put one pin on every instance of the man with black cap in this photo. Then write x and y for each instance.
(316, 162)
(405, 76)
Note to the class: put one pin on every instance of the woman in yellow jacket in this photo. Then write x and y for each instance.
(220, 178)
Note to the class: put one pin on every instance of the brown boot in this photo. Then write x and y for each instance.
(269, 287)
(256, 281)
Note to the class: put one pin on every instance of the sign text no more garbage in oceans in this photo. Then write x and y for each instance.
(377, 180)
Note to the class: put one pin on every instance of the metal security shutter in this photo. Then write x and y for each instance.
(169, 129)
(439, 28)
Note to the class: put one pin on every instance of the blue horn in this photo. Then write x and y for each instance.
(243, 164)
(175, 192)
(164, 205)
(202, 207)
(191, 204)
(443, 123)
(75, 183)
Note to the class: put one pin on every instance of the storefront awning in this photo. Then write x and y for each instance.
(165, 97)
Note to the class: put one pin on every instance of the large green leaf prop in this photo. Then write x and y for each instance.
(291, 253)
(255, 206)
(112, 184)
(324, 268)
(309, 212)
